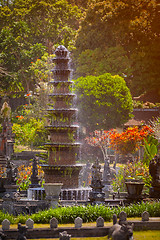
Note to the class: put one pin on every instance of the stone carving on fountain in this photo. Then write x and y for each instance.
(62, 146)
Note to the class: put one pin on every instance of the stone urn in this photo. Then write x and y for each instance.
(134, 188)
(52, 191)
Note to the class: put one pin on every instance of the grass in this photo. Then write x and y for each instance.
(147, 235)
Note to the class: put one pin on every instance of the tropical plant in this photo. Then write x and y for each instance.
(150, 149)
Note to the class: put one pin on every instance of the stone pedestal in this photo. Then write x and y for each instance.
(52, 193)
(9, 198)
(108, 189)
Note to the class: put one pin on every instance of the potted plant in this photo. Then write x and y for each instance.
(135, 177)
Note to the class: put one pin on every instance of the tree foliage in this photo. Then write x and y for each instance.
(28, 29)
(133, 25)
(104, 101)
(112, 60)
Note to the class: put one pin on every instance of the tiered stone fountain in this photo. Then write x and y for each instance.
(62, 146)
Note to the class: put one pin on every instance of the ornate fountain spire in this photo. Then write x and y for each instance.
(62, 147)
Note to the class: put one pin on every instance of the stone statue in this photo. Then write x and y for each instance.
(34, 177)
(11, 172)
(96, 196)
(120, 232)
(154, 170)
(22, 230)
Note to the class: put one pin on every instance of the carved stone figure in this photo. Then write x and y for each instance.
(96, 196)
(154, 170)
(11, 173)
(125, 232)
(34, 177)
(3, 236)
(22, 230)
(120, 232)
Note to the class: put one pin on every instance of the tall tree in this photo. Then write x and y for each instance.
(104, 102)
(28, 29)
(133, 25)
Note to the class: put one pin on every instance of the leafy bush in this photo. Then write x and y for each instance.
(87, 213)
(100, 99)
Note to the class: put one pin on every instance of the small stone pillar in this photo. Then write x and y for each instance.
(30, 223)
(145, 216)
(100, 222)
(53, 223)
(107, 179)
(5, 224)
(78, 222)
(52, 193)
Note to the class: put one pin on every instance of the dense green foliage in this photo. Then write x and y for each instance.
(99, 61)
(88, 213)
(102, 98)
(29, 123)
(134, 26)
(119, 37)
(28, 29)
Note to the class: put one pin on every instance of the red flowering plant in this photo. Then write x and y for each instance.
(101, 139)
(129, 141)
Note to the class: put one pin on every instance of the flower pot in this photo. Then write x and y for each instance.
(134, 189)
(52, 190)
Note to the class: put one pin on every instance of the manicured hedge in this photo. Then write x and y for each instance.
(88, 213)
